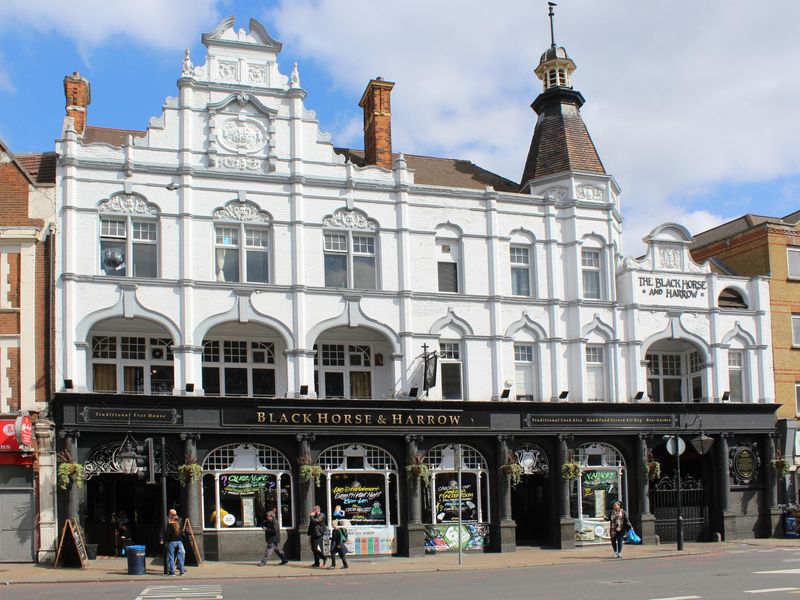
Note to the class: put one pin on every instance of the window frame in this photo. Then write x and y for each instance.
(521, 266)
(243, 250)
(450, 353)
(250, 364)
(797, 397)
(600, 366)
(131, 243)
(351, 254)
(792, 250)
(446, 258)
(739, 372)
(151, 342)
(795, 323)
(325, 352)
(530, 365)
(587, 269)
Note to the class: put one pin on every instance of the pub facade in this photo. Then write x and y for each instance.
(304, 324)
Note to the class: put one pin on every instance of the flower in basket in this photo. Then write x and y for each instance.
(652, 468)
(780, 464)
(511, 468)
(309, 471)
(570, 470)
(69, 472)
(189, 471)
(419, 468)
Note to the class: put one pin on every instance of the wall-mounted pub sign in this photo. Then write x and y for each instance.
(353, 417)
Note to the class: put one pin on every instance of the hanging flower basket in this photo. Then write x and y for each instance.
(513, 470)
(69, 473)
(570, 470)
(780, 464)
(189, 472)
(419, 468)
(652, 468)
(309, 472)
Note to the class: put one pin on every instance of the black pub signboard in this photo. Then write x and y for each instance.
(353, 417)
(149, 416)
(618, 421)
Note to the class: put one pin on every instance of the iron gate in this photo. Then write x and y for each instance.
(663, 500)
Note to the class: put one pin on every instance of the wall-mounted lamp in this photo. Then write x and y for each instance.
(725, 396)
(505, 393)
(639, 395)
(190, 387)
(563, 395)
(412, 393)
(68, 384)
(304, 390)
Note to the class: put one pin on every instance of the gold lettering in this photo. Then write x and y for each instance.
(306, 418)
(271, 417)
(336, 419)
(397, 419)
(283, 418)
(441, 420)
(348, 419)
(358, 419)
(260, 417)
(420, 419)
(410, 420)
(368, 419)
(430, 420)
(455, 419)
(322, 417)
(295, 418)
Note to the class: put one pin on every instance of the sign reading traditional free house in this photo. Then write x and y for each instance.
(666, 289)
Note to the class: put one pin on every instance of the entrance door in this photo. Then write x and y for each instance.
(530, 511)
(107, 495)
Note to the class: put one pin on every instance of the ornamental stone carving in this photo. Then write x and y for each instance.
(228, 71)
(256, 73)
(349, 219)
(242, 211)
(242, 136)
(243, 163)
(128, 204)
(532, 459)
(669, 258)
(589, 192)
(555, 193)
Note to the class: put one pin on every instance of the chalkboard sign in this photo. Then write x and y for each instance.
(71, 549)
(192, 551)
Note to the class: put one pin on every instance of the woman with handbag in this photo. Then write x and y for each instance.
(618, 526)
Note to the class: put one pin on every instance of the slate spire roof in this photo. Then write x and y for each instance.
(561, 141)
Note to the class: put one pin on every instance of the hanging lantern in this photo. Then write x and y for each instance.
(702, 443)
(126, 458)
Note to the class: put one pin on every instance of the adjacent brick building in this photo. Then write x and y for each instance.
(27, 214)
(769, 246)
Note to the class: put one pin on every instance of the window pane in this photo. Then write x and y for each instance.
(112, 258)
(451, 381)
(334, 385)
(211, 351)
(104, 347)
(796, 330)
(654, 390)
(797, 398)
(133, 348)
(145, 259)
(211, 381)
(256, 238)
(144, 231)
(360, 384)
(448, 277)
(263, 382)
(735, 385)
(523, 382)
(235, 382)
(234, 351)
(519, 256)
(286, 500)
(363, 244)
(523, 353)
(332, 355)
(134, 380)
(591, 284)
(794, 262)
(590, 258)
(227, 264)
(595, 386)
(335, 242)
(227, 236)
(335, 270)
(257, 267)
(673, 390)
(364, 272)
(520, 281)
(113, 228)
(162, 379)
(105, 378)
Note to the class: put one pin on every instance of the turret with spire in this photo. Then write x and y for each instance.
(561, 142)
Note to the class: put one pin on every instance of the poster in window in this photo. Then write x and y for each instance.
(248, 511)
(244, 484)
(447, 508)
(359, 498)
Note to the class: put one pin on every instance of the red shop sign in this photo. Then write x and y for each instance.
(23, 429)
(16, 435)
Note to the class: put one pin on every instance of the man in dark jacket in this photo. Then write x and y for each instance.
(272, 534)
(317, 524)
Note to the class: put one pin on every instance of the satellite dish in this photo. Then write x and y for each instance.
(113, 259)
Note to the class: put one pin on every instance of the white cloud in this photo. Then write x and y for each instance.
(677, 101)
(92, 23)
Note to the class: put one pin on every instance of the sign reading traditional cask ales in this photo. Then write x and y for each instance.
(619, 421)
(351, 417)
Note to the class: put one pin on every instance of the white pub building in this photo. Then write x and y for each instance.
(310, 324)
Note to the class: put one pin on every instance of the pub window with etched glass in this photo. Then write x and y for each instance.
(350, 260)
(238, 368)
(241, 253)
(343, 370)
(132, 364)
(129, 247)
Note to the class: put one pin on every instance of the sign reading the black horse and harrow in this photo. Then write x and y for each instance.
(353, 417)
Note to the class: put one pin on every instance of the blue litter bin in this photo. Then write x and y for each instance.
(136, 560)
(790, 527)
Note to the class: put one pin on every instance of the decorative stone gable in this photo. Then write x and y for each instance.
(242, 210)
(241, 134)
(349, 219)
(122, 203)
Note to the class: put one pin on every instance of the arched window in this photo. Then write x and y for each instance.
(128, 236)
(731, 298)
(350, 250)
(441, 503)
(241, 483)
(601, 482)
(242, 242)
(361, 488)
(675, 372)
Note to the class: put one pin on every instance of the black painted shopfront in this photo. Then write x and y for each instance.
(390, 469)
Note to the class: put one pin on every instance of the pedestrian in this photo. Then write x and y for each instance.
(172, 538)
(316, 532)
(618, 526)
(123, 532)
(272, 534)
(338, 540)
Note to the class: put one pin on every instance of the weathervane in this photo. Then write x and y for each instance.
(550, 14)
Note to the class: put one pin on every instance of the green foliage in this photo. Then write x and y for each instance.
(570, 470)
(70, 473)
(421, 470)
(189, 473)
(514, 471)
(309, 472)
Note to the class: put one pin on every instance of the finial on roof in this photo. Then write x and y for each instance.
(295, 79)
(187, 65)
(551, 14)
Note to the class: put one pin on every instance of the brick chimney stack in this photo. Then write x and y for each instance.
(377, 123)
(79, 96)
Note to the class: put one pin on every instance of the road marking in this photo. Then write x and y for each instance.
(768, 590)
(181, 592)
(779, 572)
(787, 560)
(678, 598)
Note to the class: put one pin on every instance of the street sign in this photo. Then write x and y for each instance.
(671, 445)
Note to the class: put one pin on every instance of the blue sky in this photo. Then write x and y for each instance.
(693, 110)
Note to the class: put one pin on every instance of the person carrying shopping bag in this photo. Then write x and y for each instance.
(338, 540)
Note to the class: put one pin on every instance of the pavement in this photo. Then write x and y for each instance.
(107, 570)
